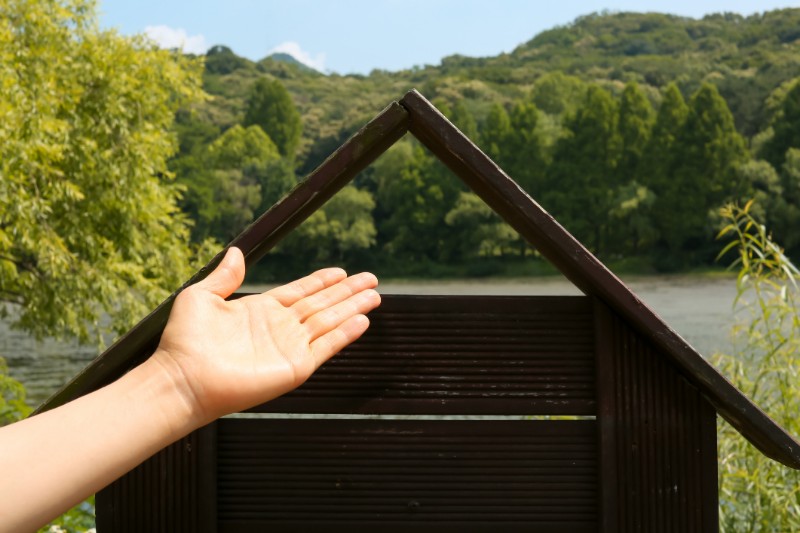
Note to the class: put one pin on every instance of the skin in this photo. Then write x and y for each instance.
(215, 357)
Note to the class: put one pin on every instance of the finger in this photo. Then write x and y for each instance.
(292, 292)
(334, 341)
(228, 275)
(334, 294)
(331, 318)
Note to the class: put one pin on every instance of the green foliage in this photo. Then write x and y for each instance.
(631, 214)
(193, 132)
(350, 225)
(229, 181)
(476, 229)
(221, 60)
(710, 146)
(635, 122)
(706, 154)
(659, 160)
(270, 106)
(786, 129)
(742, 55)
(79, 519)
(464, 120)
(583, 176)
(341, 230)
(12, 397)
(756, 493)
(557, 93)
(414, 193)
(660, 151)
(653, 190)
(88, 214)
(495, 133)
(522, 148)
(777, 197)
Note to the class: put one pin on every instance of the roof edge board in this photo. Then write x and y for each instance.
(591, 276)
(358, 152)
(414, 113)
(257, 239)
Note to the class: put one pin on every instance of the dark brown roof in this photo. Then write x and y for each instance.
(415, 114)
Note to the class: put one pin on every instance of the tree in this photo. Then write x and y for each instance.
(523, 147)
(477, 230)
(631, 208)
(635, 123)
(337, 232)
(414, 193)
(464, 120)
(495, 132)
(270, 106)
(786, 213)
(704, 174)
(350, 225)
(786, 129)
(557, 93)
(660, 155)
(91, 237)
(230, 181)
(221, 60)
(632, 215)
(582, 181)
(12, 397)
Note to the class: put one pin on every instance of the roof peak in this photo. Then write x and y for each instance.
(414, 114)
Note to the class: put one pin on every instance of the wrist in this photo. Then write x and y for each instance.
(171, 394)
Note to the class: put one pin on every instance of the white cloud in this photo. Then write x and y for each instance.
(316, 62)
(166, 37)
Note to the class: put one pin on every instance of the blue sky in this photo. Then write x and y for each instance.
(356, 36)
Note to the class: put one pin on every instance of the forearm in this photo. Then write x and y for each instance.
(53, 461)
(271, 343)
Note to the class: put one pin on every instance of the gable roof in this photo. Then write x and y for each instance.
(413, 113)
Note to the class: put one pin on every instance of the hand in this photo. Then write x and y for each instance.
(226, 356)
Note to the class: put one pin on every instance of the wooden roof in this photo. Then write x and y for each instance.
(413, 113)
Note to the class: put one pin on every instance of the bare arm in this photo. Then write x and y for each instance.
(215, 357)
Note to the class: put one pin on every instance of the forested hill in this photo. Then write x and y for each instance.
(745, 57)
(740, 68)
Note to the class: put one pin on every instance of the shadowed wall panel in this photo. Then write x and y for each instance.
(461, 355)
(349, 475)
(175, 490)
(660, 438)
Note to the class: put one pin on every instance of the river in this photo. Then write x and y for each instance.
(697, 307)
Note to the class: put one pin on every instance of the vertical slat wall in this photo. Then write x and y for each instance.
(657, 438)
(175, 490)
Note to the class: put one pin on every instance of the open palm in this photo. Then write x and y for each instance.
(231, 355)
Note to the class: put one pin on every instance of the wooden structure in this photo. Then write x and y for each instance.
(639, 456)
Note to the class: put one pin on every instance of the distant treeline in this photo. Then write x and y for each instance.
(635, 170)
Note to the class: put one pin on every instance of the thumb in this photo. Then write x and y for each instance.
(228, 275)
